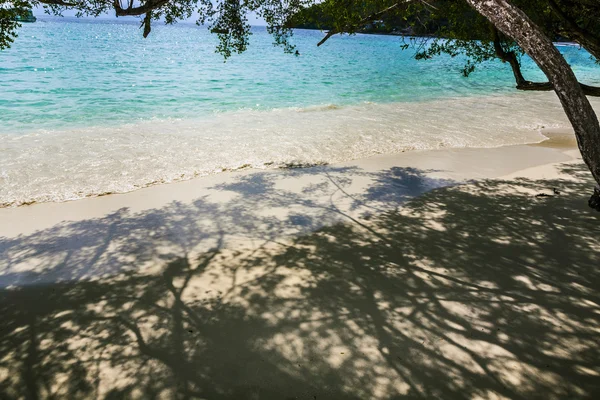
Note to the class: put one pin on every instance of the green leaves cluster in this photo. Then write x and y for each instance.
(459, 30)
(228, 19)
(9, 11)
(452, 23)
(452, 27)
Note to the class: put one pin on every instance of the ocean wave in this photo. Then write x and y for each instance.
(324, 107)
(53, 165)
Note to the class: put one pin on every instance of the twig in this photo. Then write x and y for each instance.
(372, 17)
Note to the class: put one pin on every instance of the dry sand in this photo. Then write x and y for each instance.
(437, 274)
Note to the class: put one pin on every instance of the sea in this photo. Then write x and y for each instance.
(89, 107)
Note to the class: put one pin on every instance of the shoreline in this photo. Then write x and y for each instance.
(155, 152)
(560, 136)
(449, 166)
(149, 152)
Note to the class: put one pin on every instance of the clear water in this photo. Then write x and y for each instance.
(89, 107)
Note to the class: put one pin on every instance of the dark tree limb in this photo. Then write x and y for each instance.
(146, 24)
(371, 18)
(587, 39)
(508, 57)
(145, 8)
(362, 22)
(58, 3)
(511, 58)
(592, 91)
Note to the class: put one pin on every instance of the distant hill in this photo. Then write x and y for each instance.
(26, 17)
(315, 18)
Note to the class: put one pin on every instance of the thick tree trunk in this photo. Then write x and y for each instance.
(514, 23)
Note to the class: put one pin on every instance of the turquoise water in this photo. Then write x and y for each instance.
(88, 107)
(66, 74)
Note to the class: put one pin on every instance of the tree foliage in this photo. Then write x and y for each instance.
(462, 25)
(453, 22)
(228, 19)
(9, 12)
(458, 29)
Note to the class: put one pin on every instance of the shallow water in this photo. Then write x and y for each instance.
(91, 107)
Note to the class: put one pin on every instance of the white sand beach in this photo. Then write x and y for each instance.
(459, 273)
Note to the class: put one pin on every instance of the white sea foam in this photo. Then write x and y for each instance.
(65, 165)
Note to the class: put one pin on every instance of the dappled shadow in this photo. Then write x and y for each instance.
(401, 184)
(477, 291)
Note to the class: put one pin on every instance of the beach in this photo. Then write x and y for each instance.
(453, 273)
(343, 223)
(123, 113)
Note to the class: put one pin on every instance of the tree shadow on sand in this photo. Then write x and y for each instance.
(477, 291)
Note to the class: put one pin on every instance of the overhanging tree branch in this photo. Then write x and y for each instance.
(145, 8)
(371, 18)
(511, 58)
(586, 38)
(59, 3)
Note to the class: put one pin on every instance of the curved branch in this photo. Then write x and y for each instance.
(371, 18)
(586, 38)
(145, 8)
(592, 91)
(523, 84)
(508, 57)
(58, 3)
